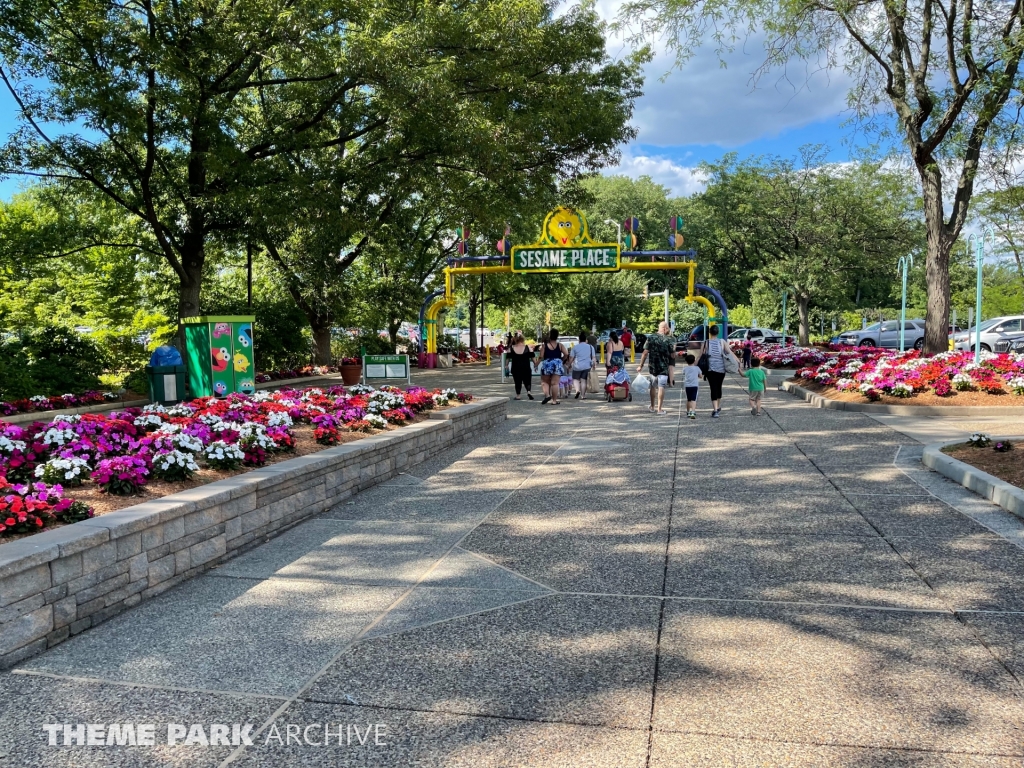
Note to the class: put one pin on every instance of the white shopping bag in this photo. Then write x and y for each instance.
(641, 385)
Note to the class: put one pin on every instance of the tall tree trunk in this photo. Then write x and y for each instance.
(803, 311)
(393, 327)
(190, 282)
(936, 321)
(321, 340)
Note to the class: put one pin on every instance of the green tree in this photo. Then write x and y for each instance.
(942, 73)
(813, 229)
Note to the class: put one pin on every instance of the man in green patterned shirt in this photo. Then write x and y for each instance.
(658, 350)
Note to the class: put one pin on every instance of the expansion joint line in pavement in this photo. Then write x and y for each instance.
(664, 584)
(949, 608)
(298, 695)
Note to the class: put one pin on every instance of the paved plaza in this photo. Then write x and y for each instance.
(587, 585)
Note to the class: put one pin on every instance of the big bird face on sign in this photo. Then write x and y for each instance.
(564, 226)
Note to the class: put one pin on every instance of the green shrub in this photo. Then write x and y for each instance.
(15, 376)
(63, 361)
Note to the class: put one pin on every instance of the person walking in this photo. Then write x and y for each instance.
(626, 337)
(717, 351)
(521, 361)
(691, 381)
(583, 358)
(614, 352)
(757, 379)
(552, 355)
(748, 348)
(657, 349)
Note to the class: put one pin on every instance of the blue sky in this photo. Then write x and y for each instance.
(701, 112)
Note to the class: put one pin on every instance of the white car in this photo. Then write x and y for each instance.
(992, 331)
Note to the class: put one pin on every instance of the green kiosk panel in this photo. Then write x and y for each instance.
(219, 355)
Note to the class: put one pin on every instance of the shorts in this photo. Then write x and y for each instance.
(577, 375)
(691, 394)
(662, 380)
(755, 395)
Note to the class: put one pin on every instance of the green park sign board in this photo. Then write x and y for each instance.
(565, 246)
(386, 367)
(552, 259)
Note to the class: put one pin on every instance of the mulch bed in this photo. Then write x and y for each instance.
(920, 398)
(1008, 466)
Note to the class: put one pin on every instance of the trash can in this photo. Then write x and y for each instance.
(166, 376)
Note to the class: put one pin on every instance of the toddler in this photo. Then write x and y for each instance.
(565, 386)
(757, 378)
(691, 381)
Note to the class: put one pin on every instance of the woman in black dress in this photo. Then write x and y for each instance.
(521, 357)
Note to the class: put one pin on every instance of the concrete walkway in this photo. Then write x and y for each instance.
(589, 585)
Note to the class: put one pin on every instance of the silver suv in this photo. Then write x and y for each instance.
(992, 332)
(886, 334)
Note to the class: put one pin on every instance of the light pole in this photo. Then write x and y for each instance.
(979, 260)
(785, 317)
(659, 293)
(618, 228)
(903, 266)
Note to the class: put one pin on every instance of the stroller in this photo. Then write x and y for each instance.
(616, 384)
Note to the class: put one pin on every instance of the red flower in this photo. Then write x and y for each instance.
(10, 521)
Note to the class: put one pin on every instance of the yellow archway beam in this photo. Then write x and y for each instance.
(706, 302)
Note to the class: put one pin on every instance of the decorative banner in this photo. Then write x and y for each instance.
(565, 246)
(632, 224)
(675, 223)
(675, 242)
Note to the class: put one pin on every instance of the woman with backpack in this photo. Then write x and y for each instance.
(712, 362)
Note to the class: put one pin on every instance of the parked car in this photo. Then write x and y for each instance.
(1011, 342)
(697, 334)
(760, 335)
(886, 334)
(992, 331)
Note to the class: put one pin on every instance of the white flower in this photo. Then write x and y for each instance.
(67, 418)
(148, 419)
(279, 419)
(902, 389)
(67, 470)
(154, 408)
(39, 399)
(57, 437)
(223, 452)
(378, 422)
(181, 410)
(8, 446)
(164, 462)
(361, 389)
(381, 401)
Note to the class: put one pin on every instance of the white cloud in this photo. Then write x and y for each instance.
(703, 103)
(680, 179)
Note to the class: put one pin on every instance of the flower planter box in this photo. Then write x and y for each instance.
(62, 581)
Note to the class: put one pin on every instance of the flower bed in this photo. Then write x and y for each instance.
(42, 403)
(99, 460)
(996, 457)
(887, 376)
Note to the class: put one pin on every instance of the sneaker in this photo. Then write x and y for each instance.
(529, 395)
(577, 395)
(753, 411)
(693, 416)
(714, 414)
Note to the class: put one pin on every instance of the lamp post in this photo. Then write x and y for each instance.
(979, 260)
(903, 266)
(618, 228)
(785, 317)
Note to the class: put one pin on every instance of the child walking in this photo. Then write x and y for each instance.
(757, 378)
(691, 381)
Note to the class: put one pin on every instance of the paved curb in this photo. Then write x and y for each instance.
(944, 411)
(1009, 497)
(60, 582)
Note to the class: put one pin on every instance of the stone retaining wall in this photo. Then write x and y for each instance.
(60, 582)
(951, 411)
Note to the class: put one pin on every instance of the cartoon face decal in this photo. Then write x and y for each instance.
(221, 329)
(241, 363)
(246, 386)
(220, 389)
(564, 226)
(220, 359)
(243, 340)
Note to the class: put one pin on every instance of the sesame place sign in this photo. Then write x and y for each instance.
(565, 246)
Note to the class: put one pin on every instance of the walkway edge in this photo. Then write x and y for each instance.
(932, 411)
(1009, 497)
(60, 582)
